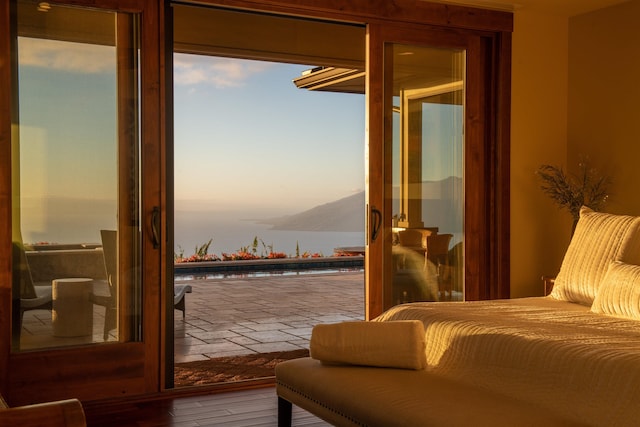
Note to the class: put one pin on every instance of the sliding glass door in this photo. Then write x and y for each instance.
(85, 226)
(76, 219)
(86, 166)
(429, 195)
(427, 174)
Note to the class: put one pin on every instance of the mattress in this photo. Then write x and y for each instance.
(554, 354)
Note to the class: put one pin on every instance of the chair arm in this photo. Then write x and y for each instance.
(63, 413)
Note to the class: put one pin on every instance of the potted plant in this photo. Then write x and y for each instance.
(571, 192)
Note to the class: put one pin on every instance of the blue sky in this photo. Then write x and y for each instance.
(246, 139)
(246, 136)
(67, 119)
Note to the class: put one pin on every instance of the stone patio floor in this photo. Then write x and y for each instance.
(236, 316)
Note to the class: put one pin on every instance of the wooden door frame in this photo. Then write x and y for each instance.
(488, 272)
(487, 116)
(21, 385)
(114, 369)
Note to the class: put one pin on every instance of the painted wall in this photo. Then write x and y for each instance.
(575, 94)
(539, 231)
(604, 96)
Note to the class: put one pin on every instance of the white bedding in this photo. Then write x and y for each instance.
(552, 353)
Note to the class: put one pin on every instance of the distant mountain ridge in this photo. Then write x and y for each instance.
(346, 214)
(440, 204)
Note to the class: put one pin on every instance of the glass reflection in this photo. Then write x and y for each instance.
(427, 174)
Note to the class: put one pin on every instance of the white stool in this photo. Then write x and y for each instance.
(72, 314)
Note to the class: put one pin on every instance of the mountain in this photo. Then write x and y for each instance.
(346, 214)
(441, 207)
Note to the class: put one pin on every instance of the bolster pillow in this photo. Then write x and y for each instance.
(393, 344)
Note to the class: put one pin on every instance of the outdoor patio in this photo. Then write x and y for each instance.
(237, 316)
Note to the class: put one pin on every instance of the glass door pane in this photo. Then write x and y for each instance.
(76, 177)
(425, 98)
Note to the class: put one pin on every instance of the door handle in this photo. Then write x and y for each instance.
(155, 227)
(376, 223)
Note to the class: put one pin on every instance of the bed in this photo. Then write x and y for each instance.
(555, 354)
(570, 358)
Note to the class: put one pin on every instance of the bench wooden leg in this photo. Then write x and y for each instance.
(284, 412)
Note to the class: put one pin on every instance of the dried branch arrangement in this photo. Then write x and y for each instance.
(572, 192)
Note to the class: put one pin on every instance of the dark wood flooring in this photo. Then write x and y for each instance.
(256, 408)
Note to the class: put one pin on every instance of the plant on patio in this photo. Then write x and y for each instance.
(239, 255)
(306, 254)
(201, 254)
(249, 252)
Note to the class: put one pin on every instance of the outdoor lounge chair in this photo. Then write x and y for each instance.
(103, 294)
(31, 297)
(178, 297)
(107, 296)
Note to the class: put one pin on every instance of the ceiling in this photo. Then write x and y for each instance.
(555, 7)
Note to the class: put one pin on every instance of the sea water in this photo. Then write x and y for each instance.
(75, 221)
(231, 232)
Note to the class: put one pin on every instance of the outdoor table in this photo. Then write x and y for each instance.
(72, 314)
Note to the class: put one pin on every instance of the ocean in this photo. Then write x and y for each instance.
(80, 221)
(231, 232)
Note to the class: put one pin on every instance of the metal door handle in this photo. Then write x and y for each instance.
(155, 227)
(376, 223)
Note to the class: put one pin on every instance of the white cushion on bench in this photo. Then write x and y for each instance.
(396, 344)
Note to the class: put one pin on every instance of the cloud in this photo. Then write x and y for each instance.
(189, 70)
(215, 71)
(66, 56)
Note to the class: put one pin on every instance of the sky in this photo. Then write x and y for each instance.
(246, 138)
(67, 119)
(245, 135)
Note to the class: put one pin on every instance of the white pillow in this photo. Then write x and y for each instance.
(619, 292)
(393, 344)
(599, 238)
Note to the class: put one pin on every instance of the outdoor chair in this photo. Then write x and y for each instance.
(437, 256)
(179, 292)
(31, 297)
(105, 294)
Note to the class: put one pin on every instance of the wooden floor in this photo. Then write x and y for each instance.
(257, 407)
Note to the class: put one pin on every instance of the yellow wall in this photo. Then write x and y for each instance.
(604, 99)
(539, 231)
(575, 93)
